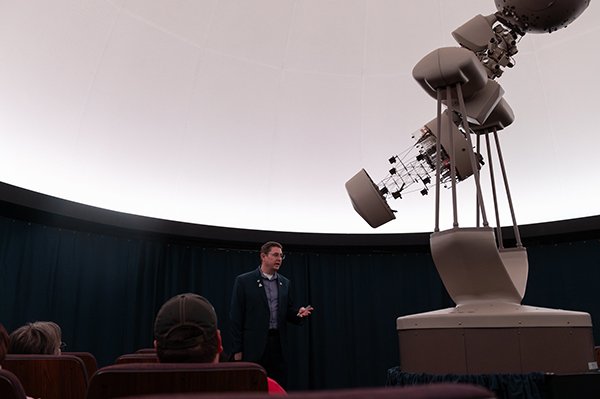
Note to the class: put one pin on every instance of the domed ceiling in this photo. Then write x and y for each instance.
(254, 113)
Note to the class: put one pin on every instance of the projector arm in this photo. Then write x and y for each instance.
(491, 41)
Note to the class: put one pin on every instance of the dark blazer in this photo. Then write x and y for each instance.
(249, 314)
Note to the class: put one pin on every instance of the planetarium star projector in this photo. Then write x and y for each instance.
(485, 279)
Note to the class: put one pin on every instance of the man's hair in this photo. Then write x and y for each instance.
(40, 337)
(185, 330)
(266, 247)
(3, 343)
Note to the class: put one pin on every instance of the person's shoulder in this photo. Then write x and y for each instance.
(274, 387)
(249, 275)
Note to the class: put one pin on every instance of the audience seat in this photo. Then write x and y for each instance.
(146, 350)
(124, 380)
(10, 386)
(91, 365)
(429, 391)
(137, 358)
(49, 376)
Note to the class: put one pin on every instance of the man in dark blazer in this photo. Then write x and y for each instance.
(261, 306)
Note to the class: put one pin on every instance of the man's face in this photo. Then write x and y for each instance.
(271, 262)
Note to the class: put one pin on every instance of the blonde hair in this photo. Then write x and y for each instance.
(40, 337)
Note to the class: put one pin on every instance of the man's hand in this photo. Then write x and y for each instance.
(305, 311)
(237, 356)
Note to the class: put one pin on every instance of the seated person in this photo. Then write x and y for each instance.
(4, 342)
(185, 331)
(38, 338)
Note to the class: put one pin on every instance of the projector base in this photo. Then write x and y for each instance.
(496, 338)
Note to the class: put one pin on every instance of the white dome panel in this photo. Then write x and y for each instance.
(254, 113)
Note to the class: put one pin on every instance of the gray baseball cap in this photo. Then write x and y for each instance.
(184, 321)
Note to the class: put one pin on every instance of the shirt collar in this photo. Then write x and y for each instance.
(264, 276)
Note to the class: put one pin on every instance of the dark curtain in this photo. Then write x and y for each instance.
(504, 386)
(104, 290)
(565, 276)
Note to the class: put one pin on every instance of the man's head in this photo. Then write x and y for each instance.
(185, 330)
(38, 338)
(271, 256)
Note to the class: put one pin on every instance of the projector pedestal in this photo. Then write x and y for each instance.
(491, 337)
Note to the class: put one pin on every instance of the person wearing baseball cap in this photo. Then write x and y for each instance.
(185, 331)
